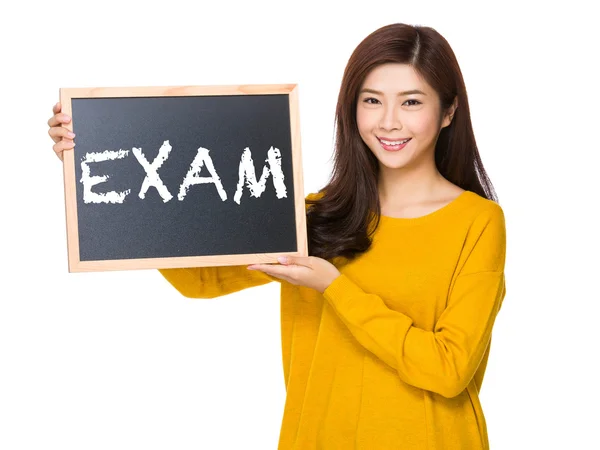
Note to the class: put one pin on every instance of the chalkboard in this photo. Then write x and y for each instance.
(183, 176)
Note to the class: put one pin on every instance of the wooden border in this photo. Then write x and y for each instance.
(75, 265)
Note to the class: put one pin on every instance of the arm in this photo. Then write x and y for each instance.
(443, 360)
(211, 282)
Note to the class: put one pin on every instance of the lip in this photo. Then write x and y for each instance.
(393, 148)
(392, 140)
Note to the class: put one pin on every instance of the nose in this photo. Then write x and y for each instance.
(390, 119)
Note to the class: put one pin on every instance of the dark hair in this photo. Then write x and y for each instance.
(338, 221)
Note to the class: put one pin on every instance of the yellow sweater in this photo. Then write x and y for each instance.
(392, 354)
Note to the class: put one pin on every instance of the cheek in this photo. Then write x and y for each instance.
(364, 122)
(421, 124)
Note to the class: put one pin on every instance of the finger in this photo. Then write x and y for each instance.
(61, 146)
(58, 119)
(266, 269)
(272, 269)
(297, 260)
(56, 108)
(58, 133)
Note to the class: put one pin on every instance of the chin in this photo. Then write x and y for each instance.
(393, 161)
(390, 166)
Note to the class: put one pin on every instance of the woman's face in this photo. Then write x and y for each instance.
(394, 104)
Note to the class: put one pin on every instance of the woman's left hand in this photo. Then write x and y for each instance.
(309, 271)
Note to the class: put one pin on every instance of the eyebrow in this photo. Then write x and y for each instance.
(412, 91)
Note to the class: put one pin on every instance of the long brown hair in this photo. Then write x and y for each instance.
(338, 222)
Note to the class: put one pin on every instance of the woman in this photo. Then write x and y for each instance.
(386, 326)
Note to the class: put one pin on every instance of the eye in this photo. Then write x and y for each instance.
(371, 100)
(417, 102)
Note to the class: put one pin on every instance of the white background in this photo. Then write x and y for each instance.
(120, 360)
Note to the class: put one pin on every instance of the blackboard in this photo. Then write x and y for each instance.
(183, 176)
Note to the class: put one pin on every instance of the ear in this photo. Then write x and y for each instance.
(450, 113)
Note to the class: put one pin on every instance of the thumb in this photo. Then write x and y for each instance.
(298, 260)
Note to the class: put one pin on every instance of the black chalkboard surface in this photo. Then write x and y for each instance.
(183, 176)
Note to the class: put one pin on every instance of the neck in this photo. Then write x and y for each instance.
(408, 186)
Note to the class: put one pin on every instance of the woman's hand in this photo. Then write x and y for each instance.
(63, 138)
(311, 271)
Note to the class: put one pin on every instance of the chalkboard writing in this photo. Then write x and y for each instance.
(183, 176)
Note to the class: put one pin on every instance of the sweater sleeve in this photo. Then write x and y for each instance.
(443, 360)
(211, 282)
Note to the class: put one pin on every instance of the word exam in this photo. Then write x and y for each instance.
(202, 158)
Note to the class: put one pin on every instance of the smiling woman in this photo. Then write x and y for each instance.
(386, 326)
(390, 120)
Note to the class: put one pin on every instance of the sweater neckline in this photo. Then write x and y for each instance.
(448, 207)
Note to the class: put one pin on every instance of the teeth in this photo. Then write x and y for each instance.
(394, 142)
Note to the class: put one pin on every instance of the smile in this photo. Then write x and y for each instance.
(393, 146)
(386, 142)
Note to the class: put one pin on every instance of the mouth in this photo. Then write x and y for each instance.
(393, 145)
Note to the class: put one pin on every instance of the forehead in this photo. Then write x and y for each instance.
(394, 77)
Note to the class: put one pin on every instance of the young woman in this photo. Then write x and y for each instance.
(386, 326)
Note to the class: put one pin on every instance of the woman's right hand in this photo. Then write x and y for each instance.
(63, 138)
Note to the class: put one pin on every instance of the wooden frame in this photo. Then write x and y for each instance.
(74, 262)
